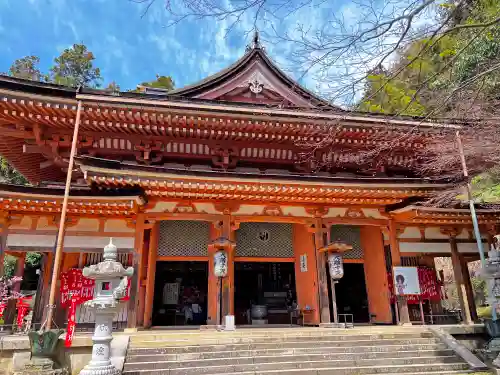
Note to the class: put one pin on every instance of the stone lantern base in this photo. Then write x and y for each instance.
(94, 369)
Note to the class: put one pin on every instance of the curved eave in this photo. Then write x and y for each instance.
(210, 185)
(444, 216)
(39, 88)
(82, 201)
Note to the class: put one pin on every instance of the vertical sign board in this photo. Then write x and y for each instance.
(406, 281)
(303, 263)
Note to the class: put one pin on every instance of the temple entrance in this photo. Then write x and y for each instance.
(180, 296)
(263, 292)
(351, 293)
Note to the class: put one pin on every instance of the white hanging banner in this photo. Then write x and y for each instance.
(406, 281)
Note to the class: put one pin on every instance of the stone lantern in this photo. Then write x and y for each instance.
(336, 268)
(222, 247)
(491, 273)
(111, 282)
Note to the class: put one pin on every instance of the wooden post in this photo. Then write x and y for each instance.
(150, 278)
(62, 223)
(43, 286)
(135, 284)
(228, 281)
(475, 223)
(213, 297)
(459, 273)
(306, 279)
(469, 290)
(334, 303)
(324, 303)
(422, 317)
(402, 303)
(379, 302)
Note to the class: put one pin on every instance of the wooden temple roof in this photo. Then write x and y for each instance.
(169, 183)
(82, 200)
(445, 216)
(36, 120)
(247, 70)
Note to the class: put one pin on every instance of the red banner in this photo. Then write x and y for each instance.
(3, 306)
(23, 306)
(430, 287)
(70, 330)
(75, 285)
(75, 290)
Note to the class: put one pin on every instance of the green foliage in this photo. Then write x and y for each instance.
(161, 82)
(31, 264)
(426, 71)
(390, 97)
(10, 175)
(27, 68)
(113, 87)
(33, 259)
(9, 265)
(75, 67)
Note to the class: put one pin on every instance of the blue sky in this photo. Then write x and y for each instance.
(130, 49)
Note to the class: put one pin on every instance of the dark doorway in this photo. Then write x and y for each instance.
(180, 293)
(351, 293)
(269, 284)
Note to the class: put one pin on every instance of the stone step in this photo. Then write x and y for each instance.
(223, 337)
(298, 350)
(299, 354)
(278, 363)
(322, 357)
(440, 368)
(183, 347)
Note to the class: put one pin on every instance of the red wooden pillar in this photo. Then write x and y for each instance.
(306, 280)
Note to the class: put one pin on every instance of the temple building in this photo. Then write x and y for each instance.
(165, 174)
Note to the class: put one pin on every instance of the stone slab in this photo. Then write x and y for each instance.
(119, 346)
(474, 362)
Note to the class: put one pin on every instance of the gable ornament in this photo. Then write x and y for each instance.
(256, 86)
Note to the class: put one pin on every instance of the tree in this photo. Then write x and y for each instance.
(6, 288)
(75, 67)
(10, 175)
(112, 87)
(161, 82)
(27, 68)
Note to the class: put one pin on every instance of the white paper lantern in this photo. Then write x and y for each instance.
(336, 266)
(220, 264)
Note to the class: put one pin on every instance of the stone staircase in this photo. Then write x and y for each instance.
(286, 351)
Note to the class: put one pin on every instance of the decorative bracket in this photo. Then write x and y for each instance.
(451, 232)
(225, 157)
(317, 211)
(149, 152)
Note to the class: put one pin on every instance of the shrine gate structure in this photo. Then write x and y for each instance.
(166, 173)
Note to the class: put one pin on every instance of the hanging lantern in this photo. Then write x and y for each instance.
(220, 263)
(336, 266)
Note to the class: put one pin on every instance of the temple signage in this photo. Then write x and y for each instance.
(303, 263)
